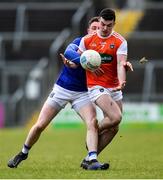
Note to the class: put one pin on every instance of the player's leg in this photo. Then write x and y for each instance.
(102, 98)
(107, 135)
(46, 115)
(110, 109)
(49, 110)
(88, 113)
(55, 102)
(119, 103)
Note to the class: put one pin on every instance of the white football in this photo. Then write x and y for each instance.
(90, 60)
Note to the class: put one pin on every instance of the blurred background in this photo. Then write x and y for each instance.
(34, 32)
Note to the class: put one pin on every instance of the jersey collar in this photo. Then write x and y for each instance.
(104, 37)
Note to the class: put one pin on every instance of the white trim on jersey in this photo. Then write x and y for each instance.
(82, 47)
(122, 48)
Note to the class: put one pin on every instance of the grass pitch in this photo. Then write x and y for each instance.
(136, 152)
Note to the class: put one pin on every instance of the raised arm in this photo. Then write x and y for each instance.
(71, 51)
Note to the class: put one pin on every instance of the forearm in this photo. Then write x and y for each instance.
(72, 54)
(121, 69)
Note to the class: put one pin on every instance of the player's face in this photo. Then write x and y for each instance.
(105, 27)
(93, 27)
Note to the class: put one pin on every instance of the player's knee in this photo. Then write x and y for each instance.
(117, 118)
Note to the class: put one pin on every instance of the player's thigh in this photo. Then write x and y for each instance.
(87, 112)
(56, 100)
(48, 112)
(120, 105)
(83, 106)
(117, 96)
(108, 106)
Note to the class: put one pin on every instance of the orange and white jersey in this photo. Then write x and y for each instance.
(108, 47)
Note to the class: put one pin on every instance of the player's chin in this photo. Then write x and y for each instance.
(105, 33)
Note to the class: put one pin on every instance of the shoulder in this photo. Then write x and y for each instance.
(118, 36)
(90, 36)
(77, 40)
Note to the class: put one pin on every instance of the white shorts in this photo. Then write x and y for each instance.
(60, 96)
(96, 91)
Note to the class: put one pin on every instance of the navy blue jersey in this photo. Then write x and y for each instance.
(73, 79)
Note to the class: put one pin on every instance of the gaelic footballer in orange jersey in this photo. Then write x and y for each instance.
(108, 47)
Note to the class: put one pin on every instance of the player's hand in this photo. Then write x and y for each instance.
(67, 62)
(98, 72)
(120, 87)
(128, 66)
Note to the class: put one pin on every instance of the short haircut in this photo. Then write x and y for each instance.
(94, 19)
(107, 14)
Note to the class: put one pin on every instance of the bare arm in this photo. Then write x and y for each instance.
(121, 70)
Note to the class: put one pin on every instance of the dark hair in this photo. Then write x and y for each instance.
(94, 19)
(107, 14)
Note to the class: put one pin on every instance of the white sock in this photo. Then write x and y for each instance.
(25, 149)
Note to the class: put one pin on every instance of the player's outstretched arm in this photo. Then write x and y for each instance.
(121, 70)
(71, 52)
(67, 62)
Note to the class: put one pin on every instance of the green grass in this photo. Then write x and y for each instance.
(136, 152)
